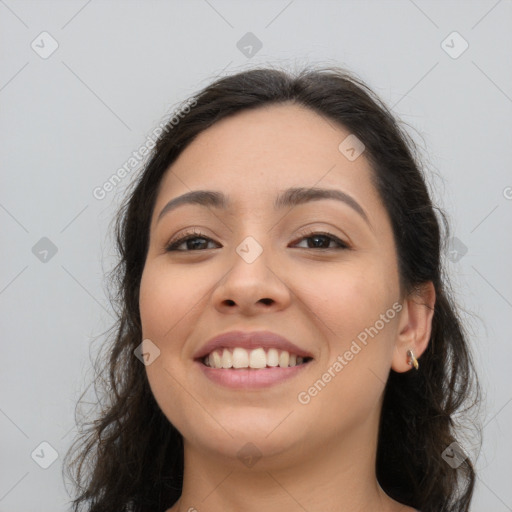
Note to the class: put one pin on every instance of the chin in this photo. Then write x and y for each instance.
(251, 449)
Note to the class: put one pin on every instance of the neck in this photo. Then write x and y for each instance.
(336, 476)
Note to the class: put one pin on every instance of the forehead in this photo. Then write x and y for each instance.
(253, 154)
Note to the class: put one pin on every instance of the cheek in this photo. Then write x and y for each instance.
(346, 299)
(351, 374)
(166, 300)
(166, 297)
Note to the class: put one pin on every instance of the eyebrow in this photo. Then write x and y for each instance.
(290, 197)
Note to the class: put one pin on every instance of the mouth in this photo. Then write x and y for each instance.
(239, 358)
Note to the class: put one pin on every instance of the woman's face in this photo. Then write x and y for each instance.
(257, 267)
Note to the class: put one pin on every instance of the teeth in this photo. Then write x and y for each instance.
(216, 360)
(257, 358)
(227, 359)
(272, 357)
(240, 358)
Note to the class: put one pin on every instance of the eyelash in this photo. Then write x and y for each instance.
(191, 235)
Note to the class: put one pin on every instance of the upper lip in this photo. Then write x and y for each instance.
(250, 340)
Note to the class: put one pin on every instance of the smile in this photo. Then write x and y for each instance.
(255, 368)
(256, 359)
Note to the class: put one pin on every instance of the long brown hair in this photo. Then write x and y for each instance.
(130, 458)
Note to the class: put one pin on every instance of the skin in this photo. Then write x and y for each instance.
(314, 456)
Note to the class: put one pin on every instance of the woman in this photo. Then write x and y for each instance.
(280, 284)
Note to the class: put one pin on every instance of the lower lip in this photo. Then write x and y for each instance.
(250, 378)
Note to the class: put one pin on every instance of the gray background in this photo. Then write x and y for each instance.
(70, 120)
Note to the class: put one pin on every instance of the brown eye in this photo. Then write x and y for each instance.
(323, 241)
(197, 240)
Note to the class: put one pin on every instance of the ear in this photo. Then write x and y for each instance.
(414, 326)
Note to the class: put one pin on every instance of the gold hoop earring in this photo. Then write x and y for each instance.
(412, 360)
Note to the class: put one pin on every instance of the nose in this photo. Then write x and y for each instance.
(252, 285)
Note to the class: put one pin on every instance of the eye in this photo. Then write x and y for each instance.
(322, 240)
(188, 237)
